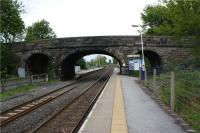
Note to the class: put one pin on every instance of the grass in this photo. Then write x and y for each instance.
(188, 97)
(12, 92)
(22, 89)
(187, 91)
(191, 116)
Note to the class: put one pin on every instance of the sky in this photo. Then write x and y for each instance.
(74, 18)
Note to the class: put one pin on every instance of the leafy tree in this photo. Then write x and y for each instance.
(81, 62)
(175, 17)
(12, 25)
(8, 61)
(100, 60)
(39, 30)
(90, 63)
(11, 30)
(158, 18)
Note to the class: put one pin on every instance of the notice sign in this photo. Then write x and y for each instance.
(21, 72)
(131, 64)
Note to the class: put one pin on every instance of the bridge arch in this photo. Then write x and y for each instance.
(153, 58)
(37, 63)
(67, 62)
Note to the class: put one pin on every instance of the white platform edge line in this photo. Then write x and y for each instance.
(88, 117)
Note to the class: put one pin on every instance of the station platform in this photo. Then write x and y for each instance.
(123, 107)
(88, 70)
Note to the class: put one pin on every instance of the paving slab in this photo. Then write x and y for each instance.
(119, 124)
(143, 115)
(100, 118)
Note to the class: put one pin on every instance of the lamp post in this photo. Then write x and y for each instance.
(143, 61)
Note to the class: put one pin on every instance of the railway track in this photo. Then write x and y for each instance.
(71, 117)
(18, 111)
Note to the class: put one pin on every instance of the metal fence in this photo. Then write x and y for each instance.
(180, 90)
(7, 84)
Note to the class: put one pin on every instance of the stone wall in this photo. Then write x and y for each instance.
(57, 50)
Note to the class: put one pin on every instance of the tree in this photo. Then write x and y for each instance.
(39, 30)
(8, 61)
(173, 17)
(90, 63)
(12, 29)
(81, 62)
(100, 60)
(177, 18)
(12, 25)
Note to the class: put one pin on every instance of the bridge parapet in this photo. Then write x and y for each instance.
(103, 41)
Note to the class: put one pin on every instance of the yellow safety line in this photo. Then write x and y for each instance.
(119, 124)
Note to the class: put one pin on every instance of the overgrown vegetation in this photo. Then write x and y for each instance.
(8, 62)
(12, 92)
(178, 18)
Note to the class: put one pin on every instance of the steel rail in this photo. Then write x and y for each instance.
(27, 107)
(78, 126)
(71, 102)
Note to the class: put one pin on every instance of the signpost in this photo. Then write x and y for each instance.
(133, 63)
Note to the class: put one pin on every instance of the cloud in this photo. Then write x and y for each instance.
(86, 17)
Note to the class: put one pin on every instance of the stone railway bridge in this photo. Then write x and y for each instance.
(62, 53)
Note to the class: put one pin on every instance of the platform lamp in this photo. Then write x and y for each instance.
(143, 73)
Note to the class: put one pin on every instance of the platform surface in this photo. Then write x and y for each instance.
(124, 107)
(100, 118)
(143, 115)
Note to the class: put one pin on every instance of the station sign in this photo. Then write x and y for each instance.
(131, 64)
(21, 72)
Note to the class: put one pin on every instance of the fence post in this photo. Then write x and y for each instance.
(172, 92)
(154, 80)
(46, 77)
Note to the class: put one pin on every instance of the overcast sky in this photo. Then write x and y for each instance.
(71, 18)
